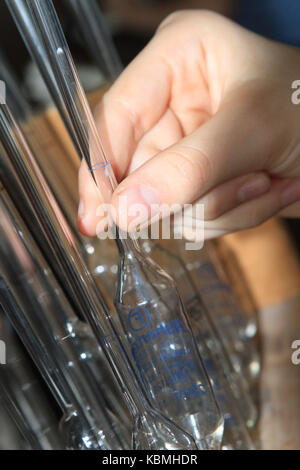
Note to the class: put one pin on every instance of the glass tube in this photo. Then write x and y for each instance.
(222, 307)
(101, 255)
(88, 20)
(230, 269)
(200, 416)
(85, 342)
(56, 160)
(48, 336)
(210, 344)
(11, 439)
(227, 314)
(151, 429)
(75, 338)
(231, 273)
(25, 398)
(35, 128)
(93, 28)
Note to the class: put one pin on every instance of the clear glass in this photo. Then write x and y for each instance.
(222, 307)
(229, 268)
(11, 439)
(93, 361)
(57, 158)
(230, 271)
(41, 316)
(31, 195)
(236, 403)
(93, 28)
(41, 325)
(21, 391)
(236, 435)
(89, 144)
(163, 349)
(203, 328)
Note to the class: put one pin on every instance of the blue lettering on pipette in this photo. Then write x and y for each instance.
(99, 166)
(139, 319)
(164, 351)
(174, 327)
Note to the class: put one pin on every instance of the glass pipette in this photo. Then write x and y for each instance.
(21, 389)
(103, 260)
(21, 14)
(98, 254)
(33, 126)
(190, 399)
(55, 161)
(93, 28)
(150, 429)
(243, 305)
(234, 401)
(199, 270)
(81, 335)
(91, 22)
(12, 439)
(225, 311)
(50, 330)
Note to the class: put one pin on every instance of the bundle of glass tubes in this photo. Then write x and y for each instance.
(117, 343)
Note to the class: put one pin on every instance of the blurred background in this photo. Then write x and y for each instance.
(133, 23)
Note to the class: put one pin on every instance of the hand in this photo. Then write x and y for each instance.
(203, 114)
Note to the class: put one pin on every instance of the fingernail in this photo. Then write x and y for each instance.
(138, 203)
(85, 220)
(81, 209)
(291, 194)
(254, 187)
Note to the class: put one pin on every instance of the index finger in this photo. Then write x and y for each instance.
(133, 105)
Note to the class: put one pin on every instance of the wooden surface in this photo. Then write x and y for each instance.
(269, 261)
(272, 269)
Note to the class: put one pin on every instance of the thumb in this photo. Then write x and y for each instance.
(230, 144)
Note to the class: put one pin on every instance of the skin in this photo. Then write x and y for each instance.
(203, 114)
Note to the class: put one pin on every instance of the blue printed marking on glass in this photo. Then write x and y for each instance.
(99, 166)
(164, 357)
(164, 351)
(139, 318)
